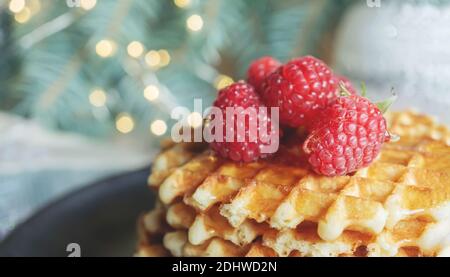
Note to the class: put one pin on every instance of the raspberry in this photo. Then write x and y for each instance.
(242, 95)
(300, 88)
(347, 84)
(347, 136)
(259, 70)
(236, 95)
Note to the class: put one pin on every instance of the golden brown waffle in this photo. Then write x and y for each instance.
(151, 230)
(399, 205)
(303, 238)
(302, 241)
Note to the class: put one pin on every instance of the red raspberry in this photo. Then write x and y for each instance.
(347, 84)
(242, 95)
(347, 136)
(259, 70)
(300, 88)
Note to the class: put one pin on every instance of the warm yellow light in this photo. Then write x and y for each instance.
(124, 123)
(35, 6)
(158, 127)
(105, 48)
(182, 3)
(151, 93)
(164, 56)
(16, 6)
(23, 16)
(135, 49)
(153, 58)
(88, 4)
(223, 81)
(194, 23)
(97, 98)
(195, 120)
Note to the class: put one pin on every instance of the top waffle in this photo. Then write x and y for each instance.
(408, 183)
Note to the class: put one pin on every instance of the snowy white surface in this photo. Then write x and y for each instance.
(401, 44)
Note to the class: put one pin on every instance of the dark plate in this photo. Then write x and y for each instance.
(101, 218)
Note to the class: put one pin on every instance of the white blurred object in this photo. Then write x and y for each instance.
(401, 44)
(37, 165)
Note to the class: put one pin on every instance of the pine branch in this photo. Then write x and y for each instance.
(60, 66)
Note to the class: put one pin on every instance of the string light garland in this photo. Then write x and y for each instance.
(141, 57)
(105, 48)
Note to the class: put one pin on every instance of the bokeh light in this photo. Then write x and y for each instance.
(151, 93)
(182, 3)
(194, 22)
(164, 57)
(88, 4)
(135, 49)
(158, 127)
(124, 123)
(152, 58)
(97, 98)
(105, 48)
(195, 120)
(23, 16)
(16, 6)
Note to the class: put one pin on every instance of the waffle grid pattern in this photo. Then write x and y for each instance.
(400, 205)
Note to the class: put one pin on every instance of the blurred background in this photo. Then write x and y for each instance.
(87, 86)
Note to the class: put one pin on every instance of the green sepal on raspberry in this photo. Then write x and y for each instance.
(386, 104)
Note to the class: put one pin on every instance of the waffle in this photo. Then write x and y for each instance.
(217, 239)
(151, 230)
(398, 206)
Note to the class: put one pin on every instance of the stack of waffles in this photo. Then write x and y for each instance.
(398, 206)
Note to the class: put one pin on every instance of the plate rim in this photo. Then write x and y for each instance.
(40, 212)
